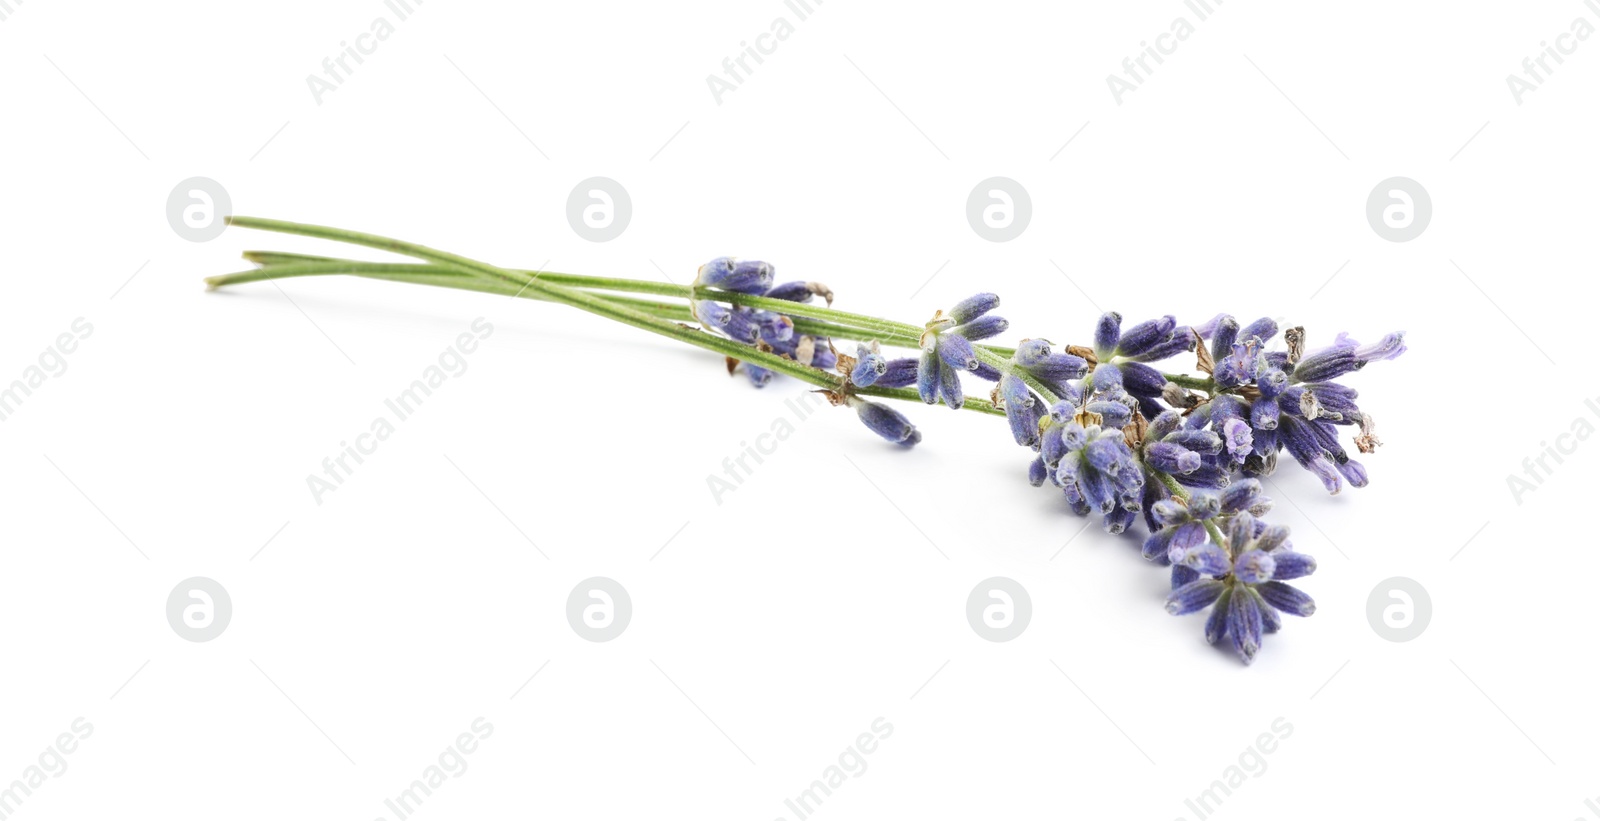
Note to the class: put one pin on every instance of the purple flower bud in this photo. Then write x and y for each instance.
(954, 350)
(1263, 329)
(1270, 623)
(1037, 472)
(1104, 379)
(1291, 565)
(1217, 621)
(950, 386)
(1145, 335)
(1244, 623)
(1327, 364)
(1240, 496)
(1264, 414)
(1021, 410)
(742, 326)
(1117, 521)
(1200, 441)
(1141, 380)
(1254, 567)
(1272, 382)
(1106, 334)
(973, 307)
(1336, 398)
(1238, 438)
(1222, 339)
(928, 377)
(775, 327)
(791, 292)
(747, 277)
(711, 314)
(887, 422)
(1287, 598)
(1164, 424)
(1181, 341)
(1171, 458)
(759, 376)
(983, 327)
(1353, 472)
(1056, 368)
(1389, 347)
(899, 373)
(1207, 558)
(1030, 351)
(870, 367)
(1328, 472)
(1194, 596)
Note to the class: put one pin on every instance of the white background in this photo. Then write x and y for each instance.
(776, 626)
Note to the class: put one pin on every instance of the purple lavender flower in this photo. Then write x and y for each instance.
(729, 274)
(758, 327)
(947, 348)
(1096, 471)
(1244, 582)
(887, 422)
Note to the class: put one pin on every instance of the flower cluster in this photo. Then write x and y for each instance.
(1124, 440)
(766, 330)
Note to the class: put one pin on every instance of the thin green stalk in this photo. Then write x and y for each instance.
(583, 301)
(283, 266)
(1198, 383)
(792, 309)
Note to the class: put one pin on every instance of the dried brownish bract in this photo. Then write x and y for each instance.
(821, 290)
(1133, 432)
(733, 364)
(1367, 440)
(1202, 354)
(845, 364)
(1296, 339)
(835, 398)
(1086, 354)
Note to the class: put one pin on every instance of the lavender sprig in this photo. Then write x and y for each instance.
(1119, 438)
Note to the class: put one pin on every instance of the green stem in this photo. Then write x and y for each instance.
(584, 301)
(1199, 383)
(876, 325)
(846, 325)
